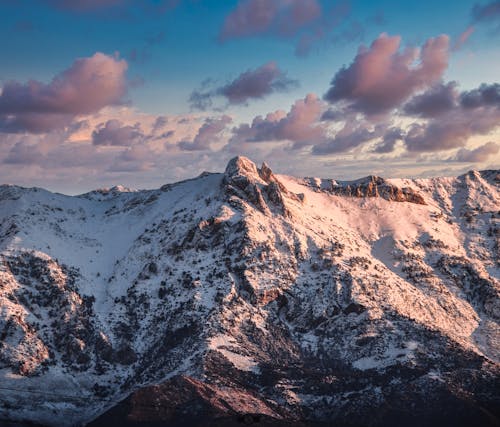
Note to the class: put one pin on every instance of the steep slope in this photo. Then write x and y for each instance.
(372, 302)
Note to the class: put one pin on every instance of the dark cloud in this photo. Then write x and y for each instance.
(433, 102)
(381, 77)
(83, 5)
(88, 6)
(332, 115)
(485, 95)
(486, 12)
(87, 86)
(208, 134)
(479, 154)
(251, 84)
(156, 39)
(352, 135)
(389, 140)
(115, 133)
(299, 126)
(256, 84)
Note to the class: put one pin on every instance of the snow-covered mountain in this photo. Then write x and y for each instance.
(253, 297)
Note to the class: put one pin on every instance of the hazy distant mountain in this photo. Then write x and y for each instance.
(249, 297)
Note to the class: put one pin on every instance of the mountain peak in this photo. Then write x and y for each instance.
(241, 166)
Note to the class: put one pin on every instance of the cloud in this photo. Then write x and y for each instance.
(88, 6)
(352, 135)
(160, 123)
(83, 5)
(433, 102)
(451, 130)
(463, 37)
(256, 84)
(208, 134)
(453, 117)
(303, 21)
(86, 87)
(487, 12)
(485, 95)
(115, 133)
(299, 126)
(23, 153)
(251, 84)
(389, 140)
(254, 17)
(478, 155)
(381, 77)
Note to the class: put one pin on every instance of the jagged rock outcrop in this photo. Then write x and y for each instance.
(371, 186)
(249, 296)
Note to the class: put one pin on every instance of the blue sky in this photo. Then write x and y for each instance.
(171, 47)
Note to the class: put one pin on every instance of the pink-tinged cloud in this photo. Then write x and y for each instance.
(478, 155)
(382, 76)
(452, 130)
(352, 135)
(86, 87)
(299, 126)
(115, 133)
(283, 17)
(209, 133)
(463, 37)
(249, 85)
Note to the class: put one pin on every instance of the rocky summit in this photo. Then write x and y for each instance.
(252, 297)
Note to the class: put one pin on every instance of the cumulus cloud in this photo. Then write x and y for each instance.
(478, 155)
(251, 84)
(451, 130)
(114, 132)
(86, 87)
(299, 126)
(484, 95)
(433, 102)
(381, 77)
(257, 83)
(352, 135)
(389, 140)
(209, 133)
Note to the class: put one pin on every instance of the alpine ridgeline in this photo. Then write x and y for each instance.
(253, 297)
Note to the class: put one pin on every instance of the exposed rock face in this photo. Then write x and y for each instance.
(371, 186)
(250, 297)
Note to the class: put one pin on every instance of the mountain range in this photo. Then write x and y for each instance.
(252, 297)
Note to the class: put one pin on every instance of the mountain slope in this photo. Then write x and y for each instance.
(369, 302)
